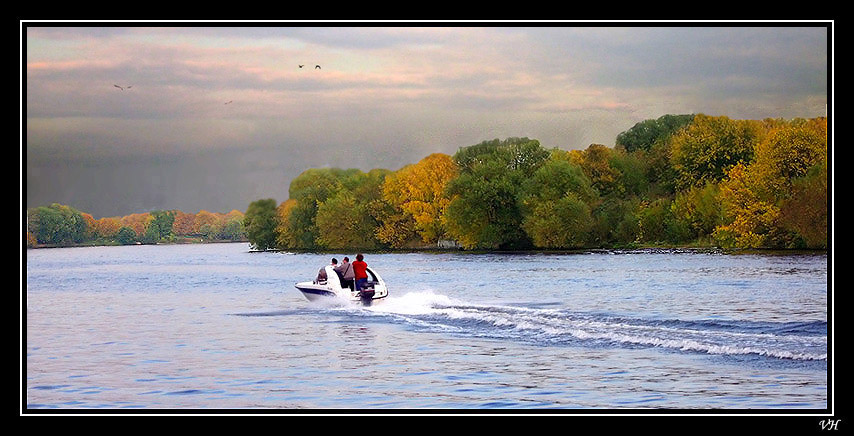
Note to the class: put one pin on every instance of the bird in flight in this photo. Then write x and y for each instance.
(117, 86)
(301, 66)
(229, 101)
(317, 67)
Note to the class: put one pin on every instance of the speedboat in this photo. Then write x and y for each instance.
(375, 289)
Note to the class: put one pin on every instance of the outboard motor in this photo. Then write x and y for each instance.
(367, 294)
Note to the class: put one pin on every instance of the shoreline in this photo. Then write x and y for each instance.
(662, 249)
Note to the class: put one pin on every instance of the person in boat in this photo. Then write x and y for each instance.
(321, 275)
(360, 271)
(345, 271)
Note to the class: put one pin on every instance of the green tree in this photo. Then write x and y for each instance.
(308, 191)
(632, 173)
(232, 230)
(698, 209)
(484, 209)
(657, 224)
(649, 142)
(345, 223)
(152, 234)
(616, 222)
(126, 236)
(57, 224)
(160, 226)
(562, 223)
(483, 212)
(517, 154)
(260, 224)
(645, 134)
(555, 203)
(805, 211)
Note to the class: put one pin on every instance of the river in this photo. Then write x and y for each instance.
(218, 327)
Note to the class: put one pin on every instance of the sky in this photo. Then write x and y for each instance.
(216, 115)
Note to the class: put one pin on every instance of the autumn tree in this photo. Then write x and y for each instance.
(789, 152)
(137, 222)
(107, 227)
(184, 223)
(283, 212)
(232, 226)
(91, 226)
(418, 192)
(752, 196)
(749, 217)
(707, 148)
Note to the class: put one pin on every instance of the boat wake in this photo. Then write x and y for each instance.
(429, 311)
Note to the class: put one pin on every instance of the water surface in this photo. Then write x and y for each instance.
(218, 327)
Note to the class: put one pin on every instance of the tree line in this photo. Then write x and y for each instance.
(62, 225)
(678, 180)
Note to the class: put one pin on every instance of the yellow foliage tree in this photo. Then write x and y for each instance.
(788, 152)
(752, 195)
(418, 191)
(749, 218)
(707, 148)
(595, 162)
(283, 212)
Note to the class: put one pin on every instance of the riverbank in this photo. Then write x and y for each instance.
(110, 243)
(445, 248)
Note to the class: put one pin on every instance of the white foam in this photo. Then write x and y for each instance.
(449, 314)
(414, 303)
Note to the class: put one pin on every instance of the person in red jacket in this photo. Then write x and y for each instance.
(361, 274)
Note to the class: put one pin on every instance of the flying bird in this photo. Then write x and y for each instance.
(117, 86)
(229, 101)
(301, 66)
(317, 67)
